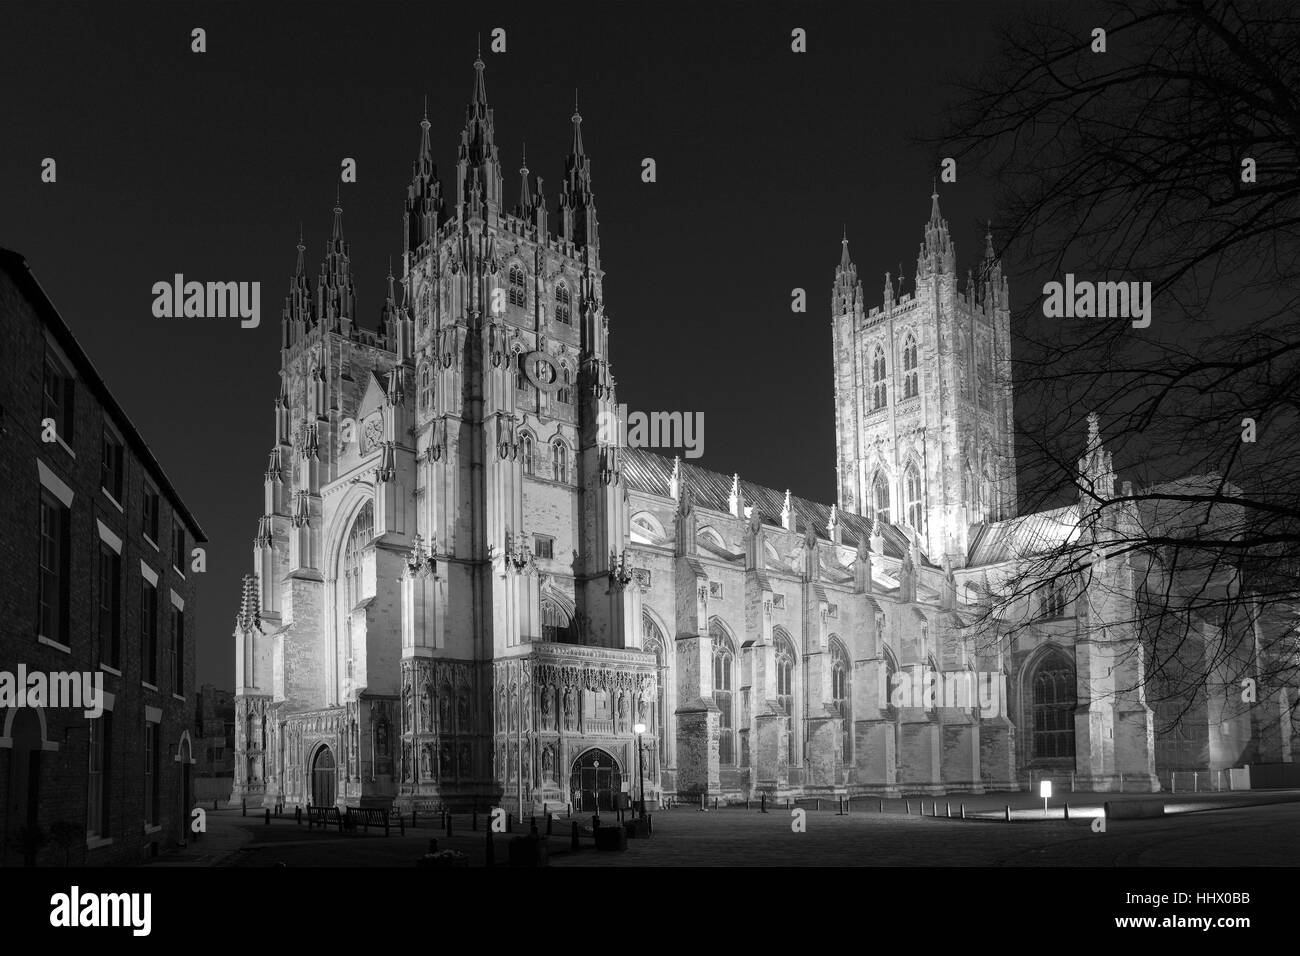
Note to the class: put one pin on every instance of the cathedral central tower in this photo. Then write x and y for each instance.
(923, 412)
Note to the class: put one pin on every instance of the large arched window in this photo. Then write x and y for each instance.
(518, 286)
(564, 393)
(986, 486)
(785, 658)
(911, 386)
(880, 496)
(562, 311)
(912, 496)
(652, 639)
(560, 460)
(724, 666)
(556, 627)
(1054, 700)
(363, 530)
(879, 385)
(528, 454)
(841, 696)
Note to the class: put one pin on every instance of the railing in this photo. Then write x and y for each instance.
(602, 727)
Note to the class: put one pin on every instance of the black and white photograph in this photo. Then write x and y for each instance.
(835, 442)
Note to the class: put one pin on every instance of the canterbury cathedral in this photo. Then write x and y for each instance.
(463, 593)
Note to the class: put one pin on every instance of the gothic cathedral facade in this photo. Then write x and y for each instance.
(463, 594)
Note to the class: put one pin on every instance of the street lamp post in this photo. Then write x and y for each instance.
(639, 729)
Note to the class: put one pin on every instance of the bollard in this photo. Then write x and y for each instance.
(595, 823)
(747, 803)
(907, 807)
(532, 827)
(573, 837)
(214, 804)
(1121, 783)
(763, 806)
(1196, 781)
(243, 807)
(509, 825)
(549, 821)
(715, 803)
(703, 807)
(267, 820)
(963, 811)
(880, 806)
(568, 810)
(491, 856)
(1173, 781)
(449, 825)
(787, 803)
(297, 815)
(948, 805)
(1072, 781)
(413, 811)
(1008, 813)
(1067, 811)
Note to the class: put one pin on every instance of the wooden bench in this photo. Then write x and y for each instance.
(324, 816)
(376, 816)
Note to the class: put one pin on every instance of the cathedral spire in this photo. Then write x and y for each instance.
(576, 119)
(938, 255)
(577, 213)
(424, 203)
(478, 173)
(335, 295)
(525, 200)
(297, 314)
(1096, 469)
(847, 294)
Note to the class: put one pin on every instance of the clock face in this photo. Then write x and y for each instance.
(540, 371)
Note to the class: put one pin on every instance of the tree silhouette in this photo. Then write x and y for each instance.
(1173, 157)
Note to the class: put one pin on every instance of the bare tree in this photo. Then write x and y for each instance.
(1164, 150)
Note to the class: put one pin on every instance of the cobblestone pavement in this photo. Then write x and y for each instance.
(1250, 829)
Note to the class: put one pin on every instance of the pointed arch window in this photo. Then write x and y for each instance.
(879, 384)
(1054, 700)
(563, 311)
(784, 658)
(880, 496)
(653, 641)
(564, 393)
(518, 286)
(912, 496)
(841, 697)
(724, 664)
(560, 461)
(426, 390)
(363, 529)
(528, 454)
(911, 376)
(556, 627)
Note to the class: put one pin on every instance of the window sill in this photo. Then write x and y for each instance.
(148, 686)
(179, 697)
(109, 495)
(151, 829)
(108, 669)
(179, 572)
(49, 642)
(150, 542)
(95, 842)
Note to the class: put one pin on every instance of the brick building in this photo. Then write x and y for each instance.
(98, 563)
(214, 743)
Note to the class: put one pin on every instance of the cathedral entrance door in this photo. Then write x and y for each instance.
(595, 780)
(323, 778)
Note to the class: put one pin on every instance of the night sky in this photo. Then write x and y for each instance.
(204, 164)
